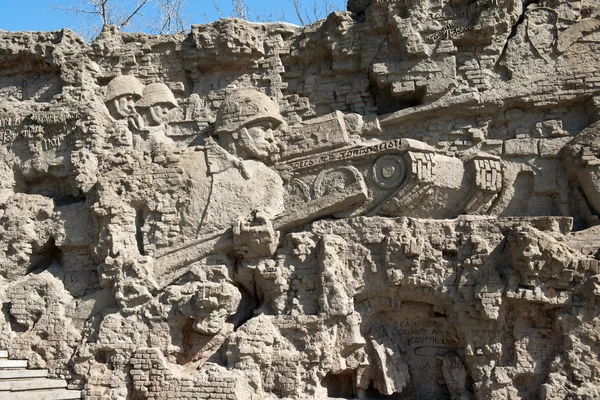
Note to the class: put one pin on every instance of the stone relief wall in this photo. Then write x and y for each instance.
(400, 202)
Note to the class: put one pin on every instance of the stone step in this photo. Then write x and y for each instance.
(13, 363)
(19, 383)
(33, 384)
(60, 394)
(23, 373)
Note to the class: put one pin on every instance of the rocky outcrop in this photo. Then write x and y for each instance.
(399, 201)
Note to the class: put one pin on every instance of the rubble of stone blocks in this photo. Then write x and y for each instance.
(399, 201)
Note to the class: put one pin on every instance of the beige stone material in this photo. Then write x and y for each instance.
(400, 201)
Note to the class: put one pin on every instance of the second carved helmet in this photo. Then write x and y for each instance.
(157, 93)
(244, 107)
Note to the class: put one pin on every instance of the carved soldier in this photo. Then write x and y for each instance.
(245, 124)
(125, 268)
(154, 106)
(108, 132)
(240, 181)
(244, 127)
(121, 94)
(241, 192)
(156, 102)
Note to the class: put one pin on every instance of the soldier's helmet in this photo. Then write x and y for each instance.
(244, 107)
(123, 85)
(157, 93)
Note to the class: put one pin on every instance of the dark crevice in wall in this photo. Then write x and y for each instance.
(139, 234)
(387, 103)
(14, 325)
(45, 257)
(193, 343)
(372, 393)
(58, 189)
(67, 200)
(341, 385)
(513, 32)
(246, 310)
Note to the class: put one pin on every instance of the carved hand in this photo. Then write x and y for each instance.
(254, 236)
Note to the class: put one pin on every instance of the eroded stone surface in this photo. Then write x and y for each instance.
(396, 202)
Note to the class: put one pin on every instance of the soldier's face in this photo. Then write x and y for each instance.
(125, 105)
(159, 113)
(262, 138)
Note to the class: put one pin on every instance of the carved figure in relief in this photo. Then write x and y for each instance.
(233, 197)
(332, 259)
(156, 102)
(230, 179)
(238, 181)
(245, 124)
(154, 106)
(125, 268)
(241, 182)
(208, 298)
(245, 127)
(121, 94)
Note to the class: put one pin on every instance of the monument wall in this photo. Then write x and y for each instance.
(400, 201)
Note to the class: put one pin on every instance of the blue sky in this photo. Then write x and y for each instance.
(39, 15)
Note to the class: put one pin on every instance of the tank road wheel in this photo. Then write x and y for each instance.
(389, 171)
(336, 180)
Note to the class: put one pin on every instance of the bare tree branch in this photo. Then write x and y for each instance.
(298, 10)
(217, 9)
(172, 16)
(142, 4)
(104, 15)
(76, 10)
(167, 16)
(240, 9)
(153, 16)
(312, 12)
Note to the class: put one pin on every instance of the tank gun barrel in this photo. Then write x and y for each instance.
(172, 263)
